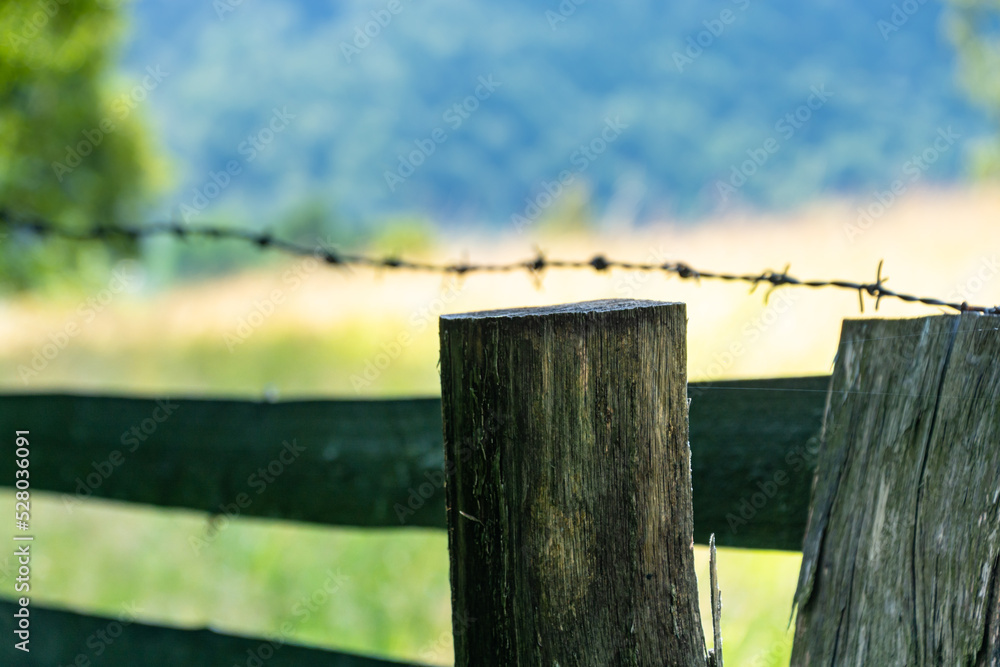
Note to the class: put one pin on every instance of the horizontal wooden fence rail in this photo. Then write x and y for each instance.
(380, 463)
(65, 638)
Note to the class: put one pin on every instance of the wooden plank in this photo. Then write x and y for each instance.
(336, 462)
(570, 523)
(380, 463)
(66, 638)
(754, 446)
(900, 565)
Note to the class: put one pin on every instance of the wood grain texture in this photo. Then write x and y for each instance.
(66, 638)
(569, 486)
(900, 556)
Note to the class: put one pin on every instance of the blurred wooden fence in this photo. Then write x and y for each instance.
(912, 412)
(362, 463)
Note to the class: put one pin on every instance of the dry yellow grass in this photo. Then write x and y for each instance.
(941, 243)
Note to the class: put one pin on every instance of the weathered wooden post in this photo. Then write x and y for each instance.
(900, 561)
(569, 486)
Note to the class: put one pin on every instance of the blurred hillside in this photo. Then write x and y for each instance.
(352, 108)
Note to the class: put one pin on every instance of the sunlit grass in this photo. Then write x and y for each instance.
(386, 590)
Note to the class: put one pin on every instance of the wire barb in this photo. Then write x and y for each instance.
(535, 266)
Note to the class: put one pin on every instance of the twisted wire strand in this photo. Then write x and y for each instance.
(535, 265)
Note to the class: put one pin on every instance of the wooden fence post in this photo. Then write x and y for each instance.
(900, 560)
(569, 486)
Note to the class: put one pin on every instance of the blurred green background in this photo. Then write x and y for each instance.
(124, 112)
(115, 112)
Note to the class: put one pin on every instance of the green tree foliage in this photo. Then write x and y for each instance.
(974, 28)
(72, 145)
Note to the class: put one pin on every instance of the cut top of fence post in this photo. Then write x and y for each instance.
(579, 308)
(900, 559)
(569, 486)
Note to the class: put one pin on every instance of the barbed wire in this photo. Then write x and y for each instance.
(535, 265)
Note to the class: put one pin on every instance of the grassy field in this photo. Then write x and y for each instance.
(324, 336)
